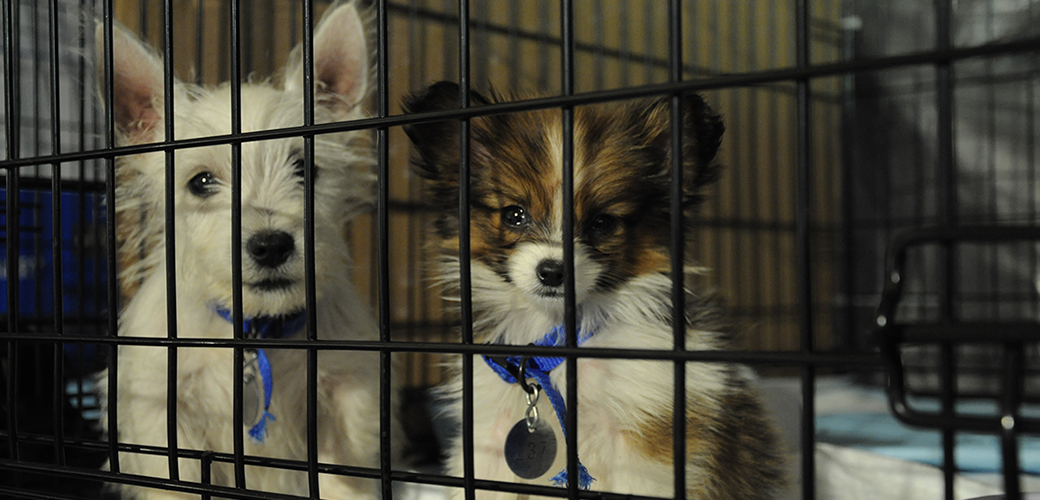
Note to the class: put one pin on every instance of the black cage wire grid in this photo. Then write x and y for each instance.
(61, 291)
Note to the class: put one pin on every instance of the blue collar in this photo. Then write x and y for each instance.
(266, 327)
(538, 368)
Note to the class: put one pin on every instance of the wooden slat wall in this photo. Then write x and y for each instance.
(748, 235)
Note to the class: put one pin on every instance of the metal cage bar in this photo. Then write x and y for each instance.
(11, 45)
(803, 230)
(309, 99)
(567, 200)
(536, 39)
(383, 253)
(893, 334)
(947, 204)
(237, 317)
(465, 273)
(58, 387)
(171, 245)
(110, 233)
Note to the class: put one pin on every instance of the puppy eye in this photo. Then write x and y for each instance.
(203, 185)
(604, 224)
(514, 216)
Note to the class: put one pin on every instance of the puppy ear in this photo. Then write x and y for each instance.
(702, 135)
(341, 71)
(138, 83)
(438, 142)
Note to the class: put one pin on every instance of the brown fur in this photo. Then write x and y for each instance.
(737, 449)
(627, 176)
(622, 169)
(129, 223)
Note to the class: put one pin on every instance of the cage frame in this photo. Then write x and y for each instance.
(808, 359)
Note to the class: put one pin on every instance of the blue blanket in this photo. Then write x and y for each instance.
(883, 434)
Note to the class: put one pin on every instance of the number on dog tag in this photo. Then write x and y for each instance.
(530, 453)
(252, 391)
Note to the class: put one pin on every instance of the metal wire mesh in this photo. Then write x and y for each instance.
(847, 122)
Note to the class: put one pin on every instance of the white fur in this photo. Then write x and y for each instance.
(272, 199)
(625, 407)
(522, 266)
(613, 395)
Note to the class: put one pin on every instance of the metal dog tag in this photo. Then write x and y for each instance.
(252, 390)
(531, 445)
(530, 453)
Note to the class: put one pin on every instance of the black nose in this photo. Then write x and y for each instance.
(550, 272)
(271, 248)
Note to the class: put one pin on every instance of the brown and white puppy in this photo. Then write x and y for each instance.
(622, 172)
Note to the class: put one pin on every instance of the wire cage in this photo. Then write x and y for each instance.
(850, 126)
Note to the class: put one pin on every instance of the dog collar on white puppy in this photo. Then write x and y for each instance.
(268, 327)
(262, 327)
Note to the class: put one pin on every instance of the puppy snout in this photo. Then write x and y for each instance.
(550, 272)
(271, 248)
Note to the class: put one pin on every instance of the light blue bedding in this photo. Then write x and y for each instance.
(882, 433)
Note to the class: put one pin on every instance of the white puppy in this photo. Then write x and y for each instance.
(273, 282)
